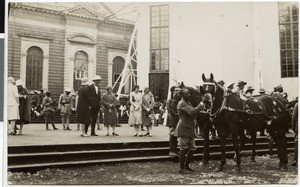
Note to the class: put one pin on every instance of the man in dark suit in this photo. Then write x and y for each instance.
(94, 97)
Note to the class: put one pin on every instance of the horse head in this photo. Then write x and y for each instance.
(212, 94)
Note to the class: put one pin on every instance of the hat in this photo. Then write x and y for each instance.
(221, 82)
(261, 90)
(278, 88)
(48, 92)
(108, 87)
(19, 83)
(145, 88)
(230, 84)
(172, 89)
(10, 79)
(250, 88)
(241, 83)
(177, 89)
(97, 78)
(84, 81)
(67, 90)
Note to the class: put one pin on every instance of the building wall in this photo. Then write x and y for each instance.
(234, 41)
(58, 30)
(266, 15)
(23, 24)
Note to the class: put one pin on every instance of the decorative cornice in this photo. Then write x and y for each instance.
(114, 22)
(29, 35)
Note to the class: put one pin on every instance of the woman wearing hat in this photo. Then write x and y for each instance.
(64, 104)
(24, 105)
(110, 102)
(135, 117)
(147, 112)
(12, 105)
(82, 107)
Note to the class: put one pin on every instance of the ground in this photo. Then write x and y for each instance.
(263, 171)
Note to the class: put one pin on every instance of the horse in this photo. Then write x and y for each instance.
(230, 116)
(202, 118)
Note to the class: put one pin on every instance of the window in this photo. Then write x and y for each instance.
(288, 28)
(34, 68)
(159, 39)
(80, 65)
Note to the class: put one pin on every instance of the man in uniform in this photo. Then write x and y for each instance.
(249, 91)
(172, 119)
(185, 130)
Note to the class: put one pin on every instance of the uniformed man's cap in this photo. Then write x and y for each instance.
(172, 88)
(261, 91)
(221, 82)
(177, 89)
(250, 88)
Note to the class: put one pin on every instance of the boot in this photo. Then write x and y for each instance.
(188, 161)
(182, 158)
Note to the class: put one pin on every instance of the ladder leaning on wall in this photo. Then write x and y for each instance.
(128, 71)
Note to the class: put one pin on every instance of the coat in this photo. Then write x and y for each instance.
(82, 106)
(173, 114)
(93, 97)
(295, 118)
(147, 116)
(110, 102)
(24, 106)
(186, 112)
(12, 102)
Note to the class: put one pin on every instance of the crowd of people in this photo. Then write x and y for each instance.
(143, 110)
(88, 103)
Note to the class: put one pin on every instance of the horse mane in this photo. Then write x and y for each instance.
(196, 97)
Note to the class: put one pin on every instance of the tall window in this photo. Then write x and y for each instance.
(159, 44)
(288, 26)
(34, 68)
(81, 65)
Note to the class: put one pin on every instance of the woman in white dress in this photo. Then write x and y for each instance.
(135, 117)
(12, 105)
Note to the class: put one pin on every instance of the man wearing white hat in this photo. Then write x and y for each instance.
(64, 104)
(94, 97)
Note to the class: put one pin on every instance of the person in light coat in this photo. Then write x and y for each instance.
(12, 105)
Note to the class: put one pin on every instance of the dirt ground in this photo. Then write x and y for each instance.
(263, 171)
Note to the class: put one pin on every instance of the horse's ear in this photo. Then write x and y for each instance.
(181, 85)
(203, 77)
(211, 77)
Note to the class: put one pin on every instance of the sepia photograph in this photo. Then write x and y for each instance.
(151, 93)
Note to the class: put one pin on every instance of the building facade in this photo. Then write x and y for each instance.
(255, 42)
(53, 46)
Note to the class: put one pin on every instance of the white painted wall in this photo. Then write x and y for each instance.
(234, 41)
(268, 42)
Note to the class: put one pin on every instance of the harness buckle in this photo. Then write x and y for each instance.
(249, 111)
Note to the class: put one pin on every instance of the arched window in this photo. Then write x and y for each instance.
(80, 68)
(34, 68)
(118, 66)
(81, 65)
